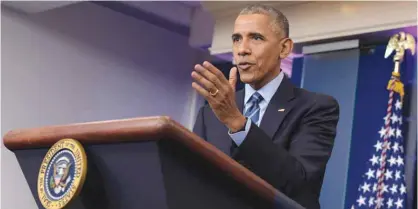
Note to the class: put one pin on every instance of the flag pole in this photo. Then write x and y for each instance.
(400, 43)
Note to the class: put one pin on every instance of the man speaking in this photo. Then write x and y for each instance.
(282, 133)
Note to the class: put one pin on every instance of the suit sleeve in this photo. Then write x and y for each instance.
(303, 164)
(199, 126)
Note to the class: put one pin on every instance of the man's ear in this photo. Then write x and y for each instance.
(287, 47)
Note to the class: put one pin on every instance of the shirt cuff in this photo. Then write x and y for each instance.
(239, 137)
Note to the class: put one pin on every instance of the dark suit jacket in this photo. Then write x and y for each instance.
(291, 148)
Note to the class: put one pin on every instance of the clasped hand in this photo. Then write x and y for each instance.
(220, 94)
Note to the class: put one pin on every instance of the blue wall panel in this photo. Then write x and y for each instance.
(335, 74)
(297, 71)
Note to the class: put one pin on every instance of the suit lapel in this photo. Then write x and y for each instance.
(239, 99)
(278, 107)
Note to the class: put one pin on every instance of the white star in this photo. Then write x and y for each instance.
(378, 146)
(397, 175)
(365, 187)
(361, 201)
(402, 189)
(399, 203)
(388, 174)
(400, 120)
(382, 132)
(390, 202)
(399, 161)
(374, 160)
(352, 207)
(395, 147)
(374, 187)
(392, 161)
(398, 105)
(398, 133)
(371, 201)
(401, 149)
(391, 132)
(385, 188)
(394, 118)
(394, 188)
(379, 202)
(370, 174)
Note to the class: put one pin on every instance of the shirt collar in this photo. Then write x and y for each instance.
(266, 91)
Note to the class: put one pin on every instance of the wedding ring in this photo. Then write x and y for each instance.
(215, 93)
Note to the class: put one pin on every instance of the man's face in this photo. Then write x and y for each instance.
(257, 49)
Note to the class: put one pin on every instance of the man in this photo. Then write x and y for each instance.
(282, 133)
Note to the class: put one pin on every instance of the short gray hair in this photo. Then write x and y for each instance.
(279, 19)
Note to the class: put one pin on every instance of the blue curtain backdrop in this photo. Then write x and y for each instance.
(371, 104)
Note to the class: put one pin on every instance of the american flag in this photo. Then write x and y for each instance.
(389, 166)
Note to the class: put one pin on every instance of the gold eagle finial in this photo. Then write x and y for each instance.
(399, 43)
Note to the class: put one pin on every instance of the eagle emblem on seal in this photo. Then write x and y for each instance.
(61, 177)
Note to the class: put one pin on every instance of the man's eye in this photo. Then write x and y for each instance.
(258, 38)
(235, 39)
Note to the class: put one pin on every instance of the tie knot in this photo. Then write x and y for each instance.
(256, 98)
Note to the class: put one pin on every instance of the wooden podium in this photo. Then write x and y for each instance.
(152, 163)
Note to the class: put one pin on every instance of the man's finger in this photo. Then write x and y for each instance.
(203, 81)
(200, 90)
(208, 75)
(215, 71)
(233, 77)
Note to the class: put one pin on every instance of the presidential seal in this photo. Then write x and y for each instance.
(62, 174)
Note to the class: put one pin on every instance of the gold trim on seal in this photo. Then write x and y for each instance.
(80, 171)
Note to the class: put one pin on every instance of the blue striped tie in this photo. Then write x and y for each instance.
(253, 112)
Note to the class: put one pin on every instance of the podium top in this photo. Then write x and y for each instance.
(140, 129)
(100, 132)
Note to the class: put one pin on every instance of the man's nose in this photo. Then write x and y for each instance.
(244, 48)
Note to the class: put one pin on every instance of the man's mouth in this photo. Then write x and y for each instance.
(244, 65)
